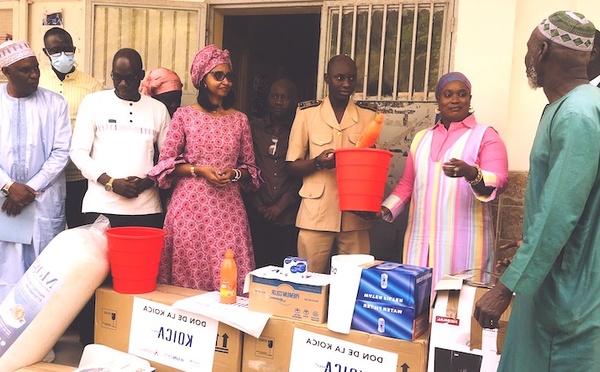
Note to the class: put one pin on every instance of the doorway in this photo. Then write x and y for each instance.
(266, 47)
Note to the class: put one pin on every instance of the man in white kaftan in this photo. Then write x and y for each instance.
(35, 135)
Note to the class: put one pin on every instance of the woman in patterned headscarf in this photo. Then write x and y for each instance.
(453, 170)
(164, 85)
(208, 157)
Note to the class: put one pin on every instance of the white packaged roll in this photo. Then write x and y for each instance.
(45, 301)
(345, 278)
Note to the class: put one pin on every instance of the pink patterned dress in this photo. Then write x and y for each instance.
(202, 221)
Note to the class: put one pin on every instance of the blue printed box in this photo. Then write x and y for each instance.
(396, 284)
(389, 320)
(393, 300)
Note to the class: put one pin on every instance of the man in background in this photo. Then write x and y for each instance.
(63, 77)
(319, 128)
(272, 209)
(555, 319)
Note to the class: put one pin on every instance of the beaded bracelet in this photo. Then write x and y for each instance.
(478, 178)
(193, 171)
(238, 175)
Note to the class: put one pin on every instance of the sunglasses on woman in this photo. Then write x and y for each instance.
(220, 76)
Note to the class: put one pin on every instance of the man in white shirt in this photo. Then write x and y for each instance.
(113, 146)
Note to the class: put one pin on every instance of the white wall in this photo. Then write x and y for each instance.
(491, 37)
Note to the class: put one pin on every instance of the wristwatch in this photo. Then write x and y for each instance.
(318, 164)
(6, 188)
(108, 186)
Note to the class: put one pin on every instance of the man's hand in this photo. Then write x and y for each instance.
(373, 215)
(367, 215)
(271, 213)
(326, 159)
(126, 187)
(492, 305)
(142, 184)
(20, 195)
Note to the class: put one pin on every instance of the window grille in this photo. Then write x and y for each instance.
(400, 49)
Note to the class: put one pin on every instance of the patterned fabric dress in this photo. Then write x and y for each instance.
(202, 221)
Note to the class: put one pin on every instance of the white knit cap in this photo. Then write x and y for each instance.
(13, 51)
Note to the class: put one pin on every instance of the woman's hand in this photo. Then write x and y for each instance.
(456, 168)
(214, 176)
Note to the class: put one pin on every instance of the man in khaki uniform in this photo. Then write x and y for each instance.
(320, 127)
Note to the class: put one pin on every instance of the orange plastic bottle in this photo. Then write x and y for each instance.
(371, 132)
(228, 278)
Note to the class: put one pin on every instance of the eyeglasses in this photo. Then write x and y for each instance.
(68, 53)
(273, 147)
(131, 79)
(220, 76)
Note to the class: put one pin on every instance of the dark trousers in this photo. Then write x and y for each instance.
(75, 192)
(118, 220)
(272, 243)
(85, 319)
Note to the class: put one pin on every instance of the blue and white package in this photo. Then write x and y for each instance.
(393, 300)
(295, 266)
(389, 320)
(396, 284)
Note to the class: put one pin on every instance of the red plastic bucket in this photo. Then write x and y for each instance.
(134, 255)
(361, 177)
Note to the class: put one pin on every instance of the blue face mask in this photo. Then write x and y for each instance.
(63, 63)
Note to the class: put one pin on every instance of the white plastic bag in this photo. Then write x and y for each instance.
(45, 301)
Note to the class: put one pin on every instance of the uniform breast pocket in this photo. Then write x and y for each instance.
(353, 137)
(322, 140)
(311, 194)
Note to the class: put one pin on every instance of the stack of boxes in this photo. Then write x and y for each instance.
(393, 300)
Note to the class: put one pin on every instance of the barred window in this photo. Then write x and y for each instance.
(400, 49)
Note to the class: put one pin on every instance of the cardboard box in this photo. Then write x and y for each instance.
(389, 320)
(457, 341)
(114, 317)
(304, 299)
(393, 300)
(47, 367)
(396, 284)
(286, 345)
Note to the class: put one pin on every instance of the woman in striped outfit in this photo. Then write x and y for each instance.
(453, 171)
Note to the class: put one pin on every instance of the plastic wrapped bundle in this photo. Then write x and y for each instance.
(45, 301)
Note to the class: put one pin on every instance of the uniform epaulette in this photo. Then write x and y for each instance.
(369, 105)
(306, 104)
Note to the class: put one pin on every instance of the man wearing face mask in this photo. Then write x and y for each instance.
(64, 78)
